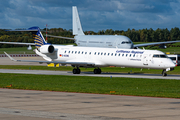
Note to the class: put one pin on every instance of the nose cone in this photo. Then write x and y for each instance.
(132, 46)
(126, 46)
(171, 64)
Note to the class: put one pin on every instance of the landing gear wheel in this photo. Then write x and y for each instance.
(97, 71)
(76, 71)
(164, 74)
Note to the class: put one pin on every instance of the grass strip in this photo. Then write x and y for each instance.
(98, 85)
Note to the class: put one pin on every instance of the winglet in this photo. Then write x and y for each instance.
(10, 57)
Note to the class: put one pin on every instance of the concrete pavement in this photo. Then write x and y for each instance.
(46, 105)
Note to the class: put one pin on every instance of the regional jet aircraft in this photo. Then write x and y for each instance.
(97, 57)
(108, 41)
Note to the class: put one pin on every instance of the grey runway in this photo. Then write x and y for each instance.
(46, 105)
(46, 72)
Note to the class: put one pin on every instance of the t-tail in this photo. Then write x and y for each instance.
(77, 29)
(38, 37)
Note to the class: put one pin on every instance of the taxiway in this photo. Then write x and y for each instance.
(48, 72)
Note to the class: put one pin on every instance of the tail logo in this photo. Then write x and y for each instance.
(38, 41)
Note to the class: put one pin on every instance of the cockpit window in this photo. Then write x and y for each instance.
(126, 42)
(155, 56)
(163, 56)
(159, 56)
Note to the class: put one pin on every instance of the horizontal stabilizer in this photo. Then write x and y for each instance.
(32, 29)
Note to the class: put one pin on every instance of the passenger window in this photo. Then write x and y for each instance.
(95, 53)
(98, 53)
(119, 54)
(130, 55)
(89, 53)
(108, 54)
(111, 54)
(101, 53)
(75, 52)
(65, 51)
(104, 53)
(122, 54)
(126, 55)
(134, 55)
(82, 52)
(79, 52)
(69, 51)
(115, 54)
(72, 52)
(85, 52)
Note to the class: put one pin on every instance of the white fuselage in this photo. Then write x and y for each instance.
(107, 41)
(102, 57)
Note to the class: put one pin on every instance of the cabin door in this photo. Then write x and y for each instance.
(145, 59)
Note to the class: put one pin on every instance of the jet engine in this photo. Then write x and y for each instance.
(46, 49)
(163, 46)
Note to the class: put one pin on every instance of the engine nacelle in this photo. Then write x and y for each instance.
(46, 49)
(162, 46)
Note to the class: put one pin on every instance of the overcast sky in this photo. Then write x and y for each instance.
(95, 15)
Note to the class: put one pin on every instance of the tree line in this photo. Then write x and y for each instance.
(142, 35)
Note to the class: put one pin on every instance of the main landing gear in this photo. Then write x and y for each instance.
(164, 74)
(97, 71)
(78, 71)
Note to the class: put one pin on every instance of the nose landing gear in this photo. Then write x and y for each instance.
(164, 74)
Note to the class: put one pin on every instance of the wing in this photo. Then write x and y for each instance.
(61, 37)
(89, 64)
(156, 43)
(17, 43)
(32, 29)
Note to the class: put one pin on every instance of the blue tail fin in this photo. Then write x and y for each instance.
(38, 37)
